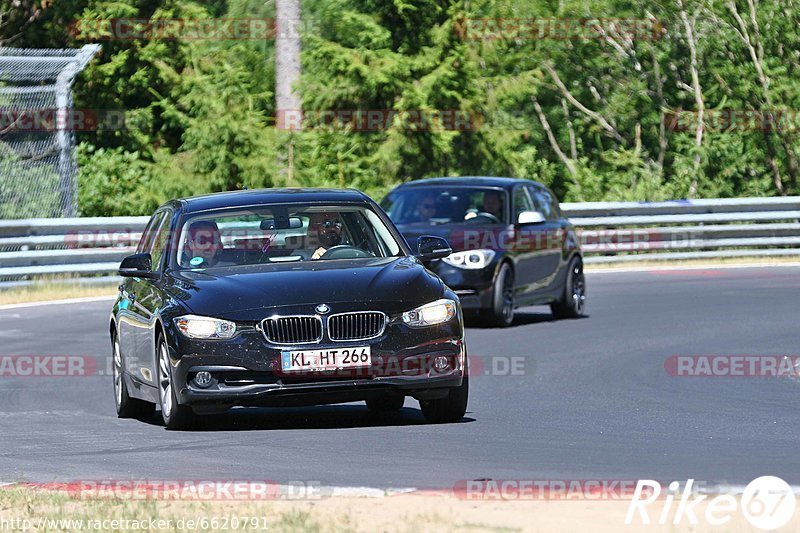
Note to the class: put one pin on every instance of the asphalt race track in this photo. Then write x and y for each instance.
(589, 399)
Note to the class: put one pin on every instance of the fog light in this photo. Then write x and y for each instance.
(203, 379)
(440, 363)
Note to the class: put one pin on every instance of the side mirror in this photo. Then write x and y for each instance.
(430, 247)
(530, 217)
(137, 266)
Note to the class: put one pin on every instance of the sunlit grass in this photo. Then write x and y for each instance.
(406, 513)
(35, 504)
(55, 289)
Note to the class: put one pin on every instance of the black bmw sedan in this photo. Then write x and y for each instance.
(280, 298)
(512, 246)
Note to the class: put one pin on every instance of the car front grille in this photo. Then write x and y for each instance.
(361, 325)
(292, 329)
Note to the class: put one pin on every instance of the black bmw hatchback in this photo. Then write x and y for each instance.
(512, 246)
(281, 298)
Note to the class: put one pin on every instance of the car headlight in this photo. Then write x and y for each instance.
(471, 259)
(203, 327)
(431, 314)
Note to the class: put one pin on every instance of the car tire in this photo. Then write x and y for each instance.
(451, 408)
(572, 303)
(388, 403)
(501, 314)
(127, 407)
(175, 415)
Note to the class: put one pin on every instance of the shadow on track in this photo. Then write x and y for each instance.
(521, 318)
(317, 417)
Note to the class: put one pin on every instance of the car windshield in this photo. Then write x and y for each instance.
(447, 205)
(282, 234)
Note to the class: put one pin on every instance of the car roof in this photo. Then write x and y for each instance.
(250, 197)
(484, 181)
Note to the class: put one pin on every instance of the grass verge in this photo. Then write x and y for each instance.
(50, 290)
(695, 263)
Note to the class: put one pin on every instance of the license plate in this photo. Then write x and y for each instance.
(328, 359)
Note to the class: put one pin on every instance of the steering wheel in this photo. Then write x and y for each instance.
(343, 251)
(483, 214)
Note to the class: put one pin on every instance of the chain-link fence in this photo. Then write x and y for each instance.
(37, 135)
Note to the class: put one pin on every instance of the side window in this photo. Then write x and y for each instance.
(522, 202)
(542, 201)
(147, 235)
(387, 205)
(160, 242)
(555, 210)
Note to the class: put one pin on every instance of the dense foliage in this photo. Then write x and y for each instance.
(591, 113)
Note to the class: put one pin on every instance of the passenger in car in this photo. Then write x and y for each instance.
(425, 209)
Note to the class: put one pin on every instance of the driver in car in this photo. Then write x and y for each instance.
(328, 229)
(492, 205)
(203, 244)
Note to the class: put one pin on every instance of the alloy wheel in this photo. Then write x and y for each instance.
(508, 296)
(117, 372)
(578, 289)
(164, 381)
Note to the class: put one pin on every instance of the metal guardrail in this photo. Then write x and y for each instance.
(610, 232)
(676, 230)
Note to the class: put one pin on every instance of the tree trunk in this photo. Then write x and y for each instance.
(287, 55)
(698, 94)
(287, 72)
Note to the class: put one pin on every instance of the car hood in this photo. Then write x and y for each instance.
(244, 293)
(460, 236)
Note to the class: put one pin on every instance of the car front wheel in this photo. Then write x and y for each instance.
(175, 416)
(501, 313)
(573, 301)
(386, 404)
(451, 408)
(127, 407)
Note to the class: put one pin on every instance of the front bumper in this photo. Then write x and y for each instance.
(246, 370)
(474, 288)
